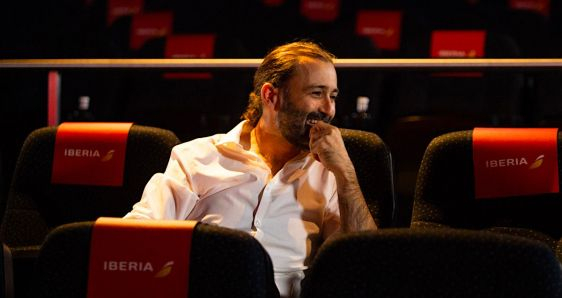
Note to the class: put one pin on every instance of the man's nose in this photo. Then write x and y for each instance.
(328, 106)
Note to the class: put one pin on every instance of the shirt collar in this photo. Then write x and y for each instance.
(231, 140)
(233, 136)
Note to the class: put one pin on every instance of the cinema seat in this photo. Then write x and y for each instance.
(408, 138)
(433, 263)
(6, 273)
(35, 205)
(373, 164)
(559, 249)
(223, 263)
(446, 195)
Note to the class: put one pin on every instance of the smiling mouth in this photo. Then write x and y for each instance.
(313, 118)
(311, 122)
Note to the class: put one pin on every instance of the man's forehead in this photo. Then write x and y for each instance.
(315, 73)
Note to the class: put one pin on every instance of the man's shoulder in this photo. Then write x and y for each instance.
(199, 144)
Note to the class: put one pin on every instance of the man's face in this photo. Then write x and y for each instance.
(309, 94)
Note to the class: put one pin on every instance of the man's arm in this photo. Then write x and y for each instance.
(327, 143)
(168, 195)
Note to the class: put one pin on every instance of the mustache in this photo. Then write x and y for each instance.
(314, 117)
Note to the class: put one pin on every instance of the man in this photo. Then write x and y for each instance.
(282, 175)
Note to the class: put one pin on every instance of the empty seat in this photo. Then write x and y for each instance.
(526, 21)
(394, 26)
(474, 179)
(496, 95)
(407, 138)
(35, 205)
(433, 263)
(222, 263)
(146, 26)
(429, 103)
(384, 27)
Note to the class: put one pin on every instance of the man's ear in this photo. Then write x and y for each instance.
(269, 95)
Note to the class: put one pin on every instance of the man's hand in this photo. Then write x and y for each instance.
(327, 143)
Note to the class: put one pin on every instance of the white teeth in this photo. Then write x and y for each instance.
(311, 121)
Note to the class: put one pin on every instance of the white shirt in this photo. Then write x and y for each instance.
(214, 180)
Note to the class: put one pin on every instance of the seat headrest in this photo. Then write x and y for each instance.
(140, 258)
(91, 153)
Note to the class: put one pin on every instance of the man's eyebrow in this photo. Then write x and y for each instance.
(322, 87)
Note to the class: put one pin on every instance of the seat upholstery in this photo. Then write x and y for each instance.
(559, 249)
(373, 164)
(408, 138)
(433, 263)
(223, 263)
(6, 273)
(35, 206)
(445, 196)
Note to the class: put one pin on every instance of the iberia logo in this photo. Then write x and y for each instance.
(381, 31)
(134, 266)
(458, 53)
(108, 156)
(89, 153)
(517, 161)
(537, 163)
(165, 271)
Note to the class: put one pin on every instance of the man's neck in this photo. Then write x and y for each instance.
(274, 148)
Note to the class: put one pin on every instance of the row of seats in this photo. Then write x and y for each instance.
(446, 198)
(407, 108)
(118, 28)
(385, 263)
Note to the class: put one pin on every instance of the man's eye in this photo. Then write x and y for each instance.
(334, 96)
(317, 93)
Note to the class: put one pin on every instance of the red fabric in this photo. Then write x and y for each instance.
(120, 8)
(383, 27)
(539, 6)
(320, 10)
(139, 258)
(515, 161)
(90, 153)
(458, 44)
(190, 46)
(53, 98)
(273, 2)
(147, 26)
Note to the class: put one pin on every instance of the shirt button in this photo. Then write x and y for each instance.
(258, 222)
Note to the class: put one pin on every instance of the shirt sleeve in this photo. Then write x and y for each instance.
(168, 195)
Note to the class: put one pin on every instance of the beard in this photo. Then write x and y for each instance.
(292, 124)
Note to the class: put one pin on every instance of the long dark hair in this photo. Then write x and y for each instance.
(277, 67)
